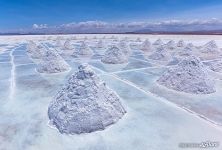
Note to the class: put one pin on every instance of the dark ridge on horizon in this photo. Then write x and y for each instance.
(150, 32)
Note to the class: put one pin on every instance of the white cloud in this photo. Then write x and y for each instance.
(40, 26)
(101, 27)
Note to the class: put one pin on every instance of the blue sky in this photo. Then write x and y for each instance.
(15, 14)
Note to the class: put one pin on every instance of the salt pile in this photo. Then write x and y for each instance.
(159, 54)
(124, 47)
(138, 40)
(171, 44)
(114, 56)
(68, 45)
(83, 50)
(146, 46)
(181, 43)
(35, 51)
(187, 51)
(210, 47)
(52, 62)
(100, 44)
(85, 104)
(158, 42)
(30, 46)
(188, 76)
(190, 45)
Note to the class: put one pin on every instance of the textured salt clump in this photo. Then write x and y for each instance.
(146, 46)
(83, 50)
(181, 43)
(85, 104)
(158, 42)
(114, 56)
(188, 76)
(210, 47)
(124, 47)
(35, 51)
(52, 62)
(171, 44)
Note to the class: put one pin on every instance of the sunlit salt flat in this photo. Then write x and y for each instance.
(156, 118)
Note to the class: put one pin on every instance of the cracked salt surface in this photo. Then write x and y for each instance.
(24, 118)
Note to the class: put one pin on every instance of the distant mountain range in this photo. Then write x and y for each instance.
(145, 31)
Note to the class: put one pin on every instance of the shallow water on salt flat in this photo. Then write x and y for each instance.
(151, 122)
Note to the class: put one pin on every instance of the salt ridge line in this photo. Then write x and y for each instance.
(12, 80)
(190, 112)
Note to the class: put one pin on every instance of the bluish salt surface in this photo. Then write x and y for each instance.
(153, 120)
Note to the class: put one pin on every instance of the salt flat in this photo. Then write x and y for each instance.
(156, 118)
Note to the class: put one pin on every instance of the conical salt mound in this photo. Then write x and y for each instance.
(68, 45)
(159, 54)
(138, 40)
(100, 44)
(181, 43)
(52, 62)
(187, 51)
(146, 46)
(35, 51)
(31, 46)
(124, 47)
(85, 104)
(158, 42)
(210, 47)
(188, 76)
(171, 44)
(114, 56)
(84, 50)
(190, 45)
